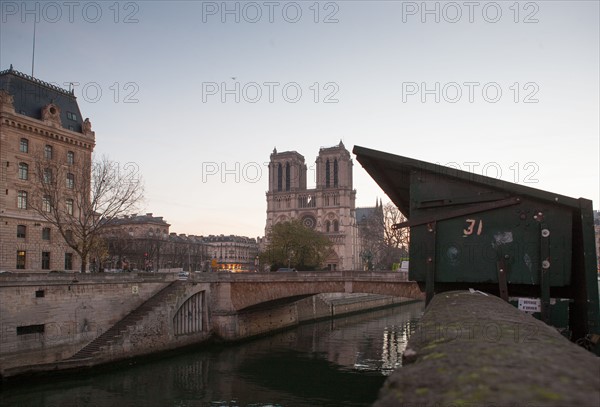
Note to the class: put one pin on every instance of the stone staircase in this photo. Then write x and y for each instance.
(113, 334)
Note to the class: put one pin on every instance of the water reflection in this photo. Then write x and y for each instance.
(331, 363)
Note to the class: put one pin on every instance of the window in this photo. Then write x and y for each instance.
(327, 174)
(24, 145)
(71, 116)
(46, 234)
(21, 231)
(69, 235)
(279, 177)
(287, 176)
(21, 257)
(68, 261)
(47, 176)
(328, 226)
(48, 152)
(40, 293)
(30, 329)
(22, 199)
(46, 203)
(70, 206)
(70, 181)
(45, 261)
(23, 171)
(70, 157)
(336, 226)
(335, 173)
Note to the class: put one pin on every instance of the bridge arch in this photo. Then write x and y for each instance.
(249, 293)
(190, 317)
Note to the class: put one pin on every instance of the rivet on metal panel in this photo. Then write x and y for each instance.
(545, 233)
(545, 264)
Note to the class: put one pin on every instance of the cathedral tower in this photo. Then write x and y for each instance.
(328, 208)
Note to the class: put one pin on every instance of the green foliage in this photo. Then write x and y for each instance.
(294, 245)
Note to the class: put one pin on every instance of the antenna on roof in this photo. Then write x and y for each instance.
(33, 53)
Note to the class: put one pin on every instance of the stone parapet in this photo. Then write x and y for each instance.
(473, 349)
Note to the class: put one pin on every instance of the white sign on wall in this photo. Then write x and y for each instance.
(530, 304)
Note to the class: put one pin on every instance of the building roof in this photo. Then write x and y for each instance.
(230, 238)
(183, 238)
(287, 154)
(337, 149)
(363, 214)
(139, 220)
(30, 95)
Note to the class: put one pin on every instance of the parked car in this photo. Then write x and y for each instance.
(183, 275)
(287, 269)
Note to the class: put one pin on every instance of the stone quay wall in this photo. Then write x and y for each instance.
(45, 319)
(63, 321)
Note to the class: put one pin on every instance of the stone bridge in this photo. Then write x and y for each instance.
(239, 305)
(233, 293)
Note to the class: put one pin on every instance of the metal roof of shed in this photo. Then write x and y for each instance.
(392, 173)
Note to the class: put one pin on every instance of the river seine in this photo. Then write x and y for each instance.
(340, 362)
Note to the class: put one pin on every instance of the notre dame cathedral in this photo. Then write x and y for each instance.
(329, 208)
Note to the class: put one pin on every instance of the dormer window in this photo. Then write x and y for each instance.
(71, 116)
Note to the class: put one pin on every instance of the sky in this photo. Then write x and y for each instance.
(198, 94)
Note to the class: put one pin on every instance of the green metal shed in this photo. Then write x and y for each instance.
(472, 231)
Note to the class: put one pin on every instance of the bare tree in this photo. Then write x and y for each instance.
(382, 245)
(396, 241)
(80, 198)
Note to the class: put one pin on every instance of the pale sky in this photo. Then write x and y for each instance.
(197, 94)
